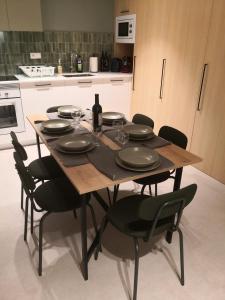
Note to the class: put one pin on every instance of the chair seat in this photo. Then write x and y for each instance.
(124, 216)
(57, 195)
(153, 179)
(45, 168)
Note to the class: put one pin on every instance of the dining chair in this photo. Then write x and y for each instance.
(176, 137)
(53, 109)
(53, 196)
(143, 120)
(144, 217)
(44, 168)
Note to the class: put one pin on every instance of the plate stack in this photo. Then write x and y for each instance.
(138, 159)
(139, 132)
(66, 110)
(109, 117)
(75, 144)
(56, 126)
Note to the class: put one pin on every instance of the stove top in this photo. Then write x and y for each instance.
(7, 77)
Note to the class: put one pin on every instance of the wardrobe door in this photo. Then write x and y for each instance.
(186, 41)
(150, 49)
(208, 139)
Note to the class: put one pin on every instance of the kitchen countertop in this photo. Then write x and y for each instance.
(59, 77)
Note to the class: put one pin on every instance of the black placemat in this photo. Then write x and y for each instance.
(155, 142)
(68, 160)
(103, 158)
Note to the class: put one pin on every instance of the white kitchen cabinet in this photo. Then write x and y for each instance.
(38, 95)
(114, 93)
(36, 98)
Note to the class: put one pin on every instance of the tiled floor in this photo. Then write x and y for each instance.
(111, 276)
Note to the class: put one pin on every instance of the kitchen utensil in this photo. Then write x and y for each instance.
(56, 125)
(136, 169)
(138, 130)
(138, 157)
(75, 143)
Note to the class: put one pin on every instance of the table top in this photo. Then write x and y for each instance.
(86, 178)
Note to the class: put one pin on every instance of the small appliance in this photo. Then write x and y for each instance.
(116, 64)
(125, 29)
(126, 66)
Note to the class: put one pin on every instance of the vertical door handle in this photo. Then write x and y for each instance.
(202, 86)
(134, 65)
(162, 78)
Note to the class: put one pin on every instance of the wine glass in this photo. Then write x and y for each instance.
(118, 126)
(76, 114)
(123, 137)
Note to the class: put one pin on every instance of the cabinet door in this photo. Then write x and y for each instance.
(4, 24)
(123, 7)
(186, 40)
(208, 139)
(24, 15)
(149, 52)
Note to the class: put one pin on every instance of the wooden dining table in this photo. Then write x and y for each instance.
(87, 179)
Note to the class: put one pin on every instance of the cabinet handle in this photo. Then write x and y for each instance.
(116, 80)
(202, 86)
(124, 11)
(84, 81)
(134, 65)
(43, 84)
(162, 78)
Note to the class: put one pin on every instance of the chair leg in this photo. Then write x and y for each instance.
(143, 189)
(181, 256)
(115, 193)
(31, 218)
(75, 213)
(136, 266)
(102, 228)
(108, 193)
(40, 242)
(21, 202)
(156, 189)
(93, 218)
(26, 218)
(150, 190)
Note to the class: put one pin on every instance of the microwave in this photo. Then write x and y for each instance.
(125, 29)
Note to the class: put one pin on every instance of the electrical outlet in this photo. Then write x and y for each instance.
(35, 55)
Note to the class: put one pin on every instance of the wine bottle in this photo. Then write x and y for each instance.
(96, 117)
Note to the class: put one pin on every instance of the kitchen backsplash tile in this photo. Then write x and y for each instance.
(15, 48)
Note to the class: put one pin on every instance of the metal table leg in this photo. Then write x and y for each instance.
(84, 263)
(38, 145)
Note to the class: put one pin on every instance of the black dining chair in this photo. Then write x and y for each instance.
(53, 109)
(44, 168)
(176, 137)
(143, 217)
(143, 120)
(53, 196)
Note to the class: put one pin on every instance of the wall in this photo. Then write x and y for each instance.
(78, 15)
(81, 26)
(15, 48)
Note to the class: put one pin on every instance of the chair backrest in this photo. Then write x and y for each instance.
(142, 119)
(53, 109)
(18, 147)
(24, 174)
(173, 135)
(160, 210)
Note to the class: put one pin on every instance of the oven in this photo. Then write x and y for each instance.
(11, 111)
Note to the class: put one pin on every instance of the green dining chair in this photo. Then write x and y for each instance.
(53, 196)
(143, 217)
